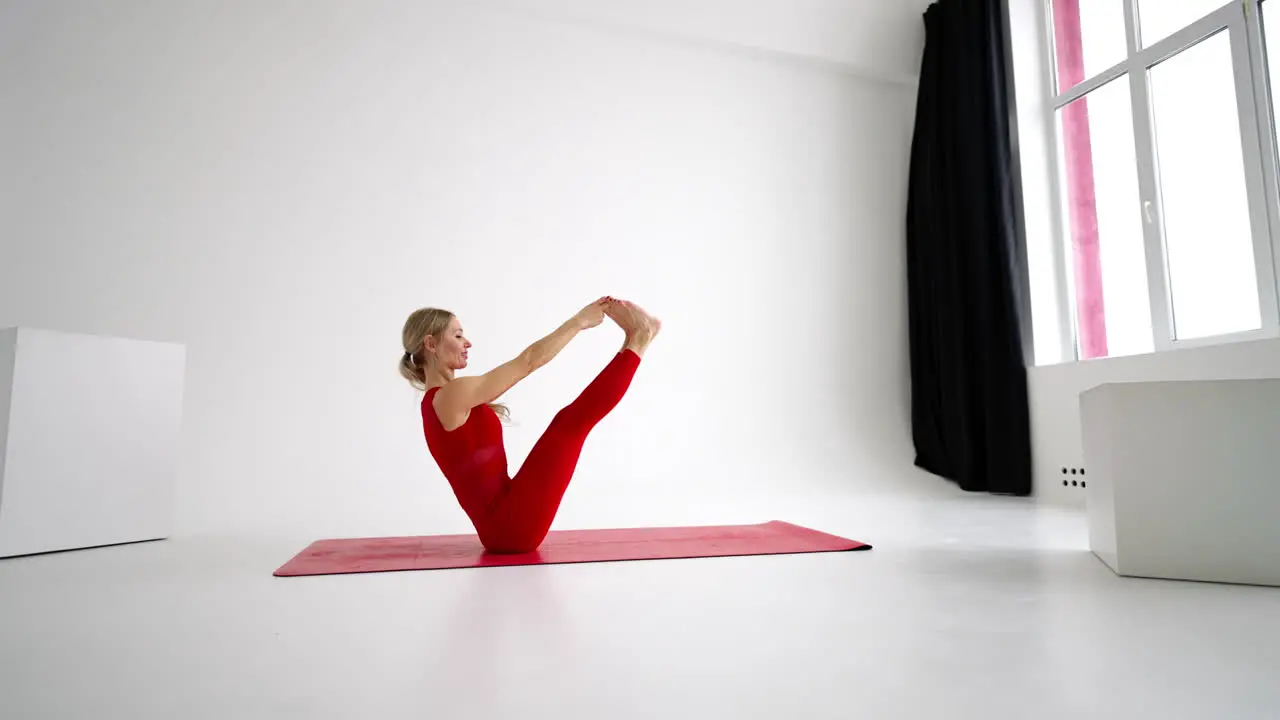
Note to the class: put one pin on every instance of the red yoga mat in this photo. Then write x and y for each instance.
(439, 552)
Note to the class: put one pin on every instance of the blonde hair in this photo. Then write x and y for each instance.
(421, 324)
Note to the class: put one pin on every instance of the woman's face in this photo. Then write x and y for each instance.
(451, 347)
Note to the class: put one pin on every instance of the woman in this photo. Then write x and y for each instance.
(461, 418)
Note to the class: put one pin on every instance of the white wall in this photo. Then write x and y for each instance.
(1055, 405)
(277, 185)
(872, 38)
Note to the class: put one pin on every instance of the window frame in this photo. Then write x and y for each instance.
(1242, 21)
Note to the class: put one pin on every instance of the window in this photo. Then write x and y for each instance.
(1103, 201)
(1158, 19)
(1166, 141)
(1271, 41)
(1208, 238)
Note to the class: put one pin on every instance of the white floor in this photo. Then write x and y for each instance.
(968, 607)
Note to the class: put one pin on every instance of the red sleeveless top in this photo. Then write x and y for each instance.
(471, 457)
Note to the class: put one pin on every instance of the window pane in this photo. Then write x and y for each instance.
(1113, 302)
(1161, 18)
(1088, 39)
(1207, 231)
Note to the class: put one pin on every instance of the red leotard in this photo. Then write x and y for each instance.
(513, 514)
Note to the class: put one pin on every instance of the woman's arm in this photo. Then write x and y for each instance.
(458, 397)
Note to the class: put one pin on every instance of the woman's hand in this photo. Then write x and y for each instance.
(593, 314)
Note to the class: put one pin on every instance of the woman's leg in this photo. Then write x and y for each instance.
(524, 512)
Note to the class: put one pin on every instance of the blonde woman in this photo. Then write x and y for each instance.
(461, 418)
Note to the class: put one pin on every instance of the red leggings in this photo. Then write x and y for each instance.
(520, 516)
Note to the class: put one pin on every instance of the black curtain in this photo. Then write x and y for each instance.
(969, 408)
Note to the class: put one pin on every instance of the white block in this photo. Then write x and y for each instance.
(1184, 479)
(89, 433)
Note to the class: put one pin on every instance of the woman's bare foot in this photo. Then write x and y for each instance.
(641, 327)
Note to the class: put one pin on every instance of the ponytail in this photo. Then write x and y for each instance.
(413, 371)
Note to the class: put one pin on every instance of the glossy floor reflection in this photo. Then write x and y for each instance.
(969, 607)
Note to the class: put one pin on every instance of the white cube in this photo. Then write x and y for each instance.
(89, 439)
(1184, 479)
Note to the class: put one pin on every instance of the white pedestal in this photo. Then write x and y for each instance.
(1184, 479)
(89, 431)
